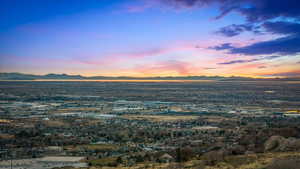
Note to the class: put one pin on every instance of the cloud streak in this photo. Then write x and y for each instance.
(282, 27)
(234, 29)
(253, 10)
(171, 67)
(258, 14)
(122, 57)
(248, 60)
(223, 46)
(285, 74)
(287, 45)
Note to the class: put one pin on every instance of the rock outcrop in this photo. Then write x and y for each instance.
(279, 143)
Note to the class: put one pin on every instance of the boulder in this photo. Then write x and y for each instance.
(279, 143)
(273, 143)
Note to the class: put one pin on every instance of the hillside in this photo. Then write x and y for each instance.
(279, 160)
(21, 76)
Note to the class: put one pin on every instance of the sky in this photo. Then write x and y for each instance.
(253, 38)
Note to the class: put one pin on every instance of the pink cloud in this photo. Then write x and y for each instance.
(116, 58)
(136, 8)
(198, 48)
(172, 67)
(141, 6)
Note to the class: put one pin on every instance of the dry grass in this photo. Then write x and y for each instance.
(217, 119)
(4, 121)
(7, 136)
(110, 161)
(253, 161)
(159, 118)
(100, 147)
(55, 123)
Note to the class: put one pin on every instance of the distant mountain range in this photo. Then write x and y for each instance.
(21, 76)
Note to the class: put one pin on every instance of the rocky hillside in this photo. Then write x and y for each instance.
(280, 153)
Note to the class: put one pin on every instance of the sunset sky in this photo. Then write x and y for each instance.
(151, 37)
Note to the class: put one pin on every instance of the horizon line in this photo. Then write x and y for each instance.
(148, 77)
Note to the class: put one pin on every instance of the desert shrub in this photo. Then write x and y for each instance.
(184, 154)
(284, 164)
(213, 157)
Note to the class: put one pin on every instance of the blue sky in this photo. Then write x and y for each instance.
(145, 38)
